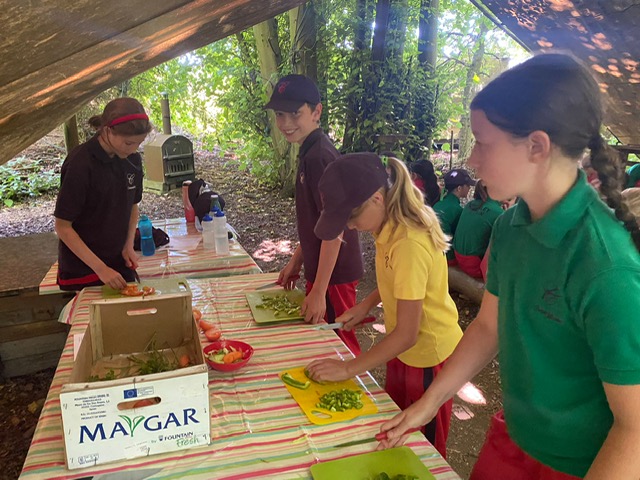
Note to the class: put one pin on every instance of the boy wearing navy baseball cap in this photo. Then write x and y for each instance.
(331, 268)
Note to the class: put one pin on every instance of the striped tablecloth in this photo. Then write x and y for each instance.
(184, 256)
(257, 429)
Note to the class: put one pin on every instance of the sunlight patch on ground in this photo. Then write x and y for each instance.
(270, 249)
(379, 327)
(472, 394)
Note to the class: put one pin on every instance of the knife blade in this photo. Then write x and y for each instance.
(275, 284)
(378, 438)
(337, 325)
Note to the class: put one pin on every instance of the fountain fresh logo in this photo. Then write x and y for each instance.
(128, 425)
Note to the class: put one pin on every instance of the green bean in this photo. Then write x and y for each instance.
(341, 400)
(280, 304)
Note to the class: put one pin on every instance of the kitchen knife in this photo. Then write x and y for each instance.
(337, 325)
(378, 438)
(275, 284)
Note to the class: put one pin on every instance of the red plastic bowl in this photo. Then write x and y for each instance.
(245, 348)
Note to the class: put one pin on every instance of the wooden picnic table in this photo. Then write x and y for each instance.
(184, 256)
(257, 429)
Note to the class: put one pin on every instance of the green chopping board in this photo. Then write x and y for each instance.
(309, 397)
(162, 285)
(395, 461)
(264, 315)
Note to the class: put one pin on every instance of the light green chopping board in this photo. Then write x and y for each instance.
(395, 461)
(264, 315)
(162, 285)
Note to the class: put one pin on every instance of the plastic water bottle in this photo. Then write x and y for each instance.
(147, 245)
(221, 236)
(215, 203)
(208, 234)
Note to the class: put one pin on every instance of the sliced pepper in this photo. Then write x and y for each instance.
(289, 380)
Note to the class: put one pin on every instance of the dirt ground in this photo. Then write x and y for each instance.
(266, 226)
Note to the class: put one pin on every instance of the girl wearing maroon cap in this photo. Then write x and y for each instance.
(420, 317)
(96, 211)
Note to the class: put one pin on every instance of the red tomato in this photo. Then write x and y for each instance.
(197, 314)
(206, 324)
(212, 334)
(184, 361)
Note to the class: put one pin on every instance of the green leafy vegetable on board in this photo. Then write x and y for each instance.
(280, 304)
(341, 400)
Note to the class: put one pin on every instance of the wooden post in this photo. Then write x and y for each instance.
(71, 138)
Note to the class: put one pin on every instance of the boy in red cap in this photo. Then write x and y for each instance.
(332, 268)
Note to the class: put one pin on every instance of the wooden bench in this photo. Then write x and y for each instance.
(31, 339)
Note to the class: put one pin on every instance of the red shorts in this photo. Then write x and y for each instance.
(341, 298)
(469, 264)
(405, 385)
(501, 459)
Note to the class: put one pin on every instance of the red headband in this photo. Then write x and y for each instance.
(128, 118)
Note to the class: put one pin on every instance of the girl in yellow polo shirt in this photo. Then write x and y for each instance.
(562, 305)
(420, 317)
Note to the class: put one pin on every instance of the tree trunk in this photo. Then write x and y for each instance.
(303, 28)
(465, 138)
(360, 44)
(426, 93)
(71, 138)
(269, 56)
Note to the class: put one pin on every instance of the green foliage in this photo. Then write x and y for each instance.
(21, 178)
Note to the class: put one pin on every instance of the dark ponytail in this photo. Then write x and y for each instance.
(607, 162)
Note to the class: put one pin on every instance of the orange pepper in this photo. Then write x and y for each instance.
(232, 357)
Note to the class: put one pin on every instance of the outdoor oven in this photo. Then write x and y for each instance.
(168, 159)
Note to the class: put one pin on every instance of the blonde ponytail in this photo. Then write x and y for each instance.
(405, 205)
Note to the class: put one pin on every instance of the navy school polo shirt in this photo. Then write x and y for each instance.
(569, 310)
(97, 193)
(316, 152)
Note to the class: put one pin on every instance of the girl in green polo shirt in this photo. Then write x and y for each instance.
(562, 305)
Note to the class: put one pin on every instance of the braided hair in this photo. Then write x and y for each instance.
(556, 94)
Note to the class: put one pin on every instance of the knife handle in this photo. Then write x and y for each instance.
(383, 435)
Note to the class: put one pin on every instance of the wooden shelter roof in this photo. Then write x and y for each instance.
(605, 34)
(58, 55)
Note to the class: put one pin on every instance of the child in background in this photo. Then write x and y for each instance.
(332, 268)
(420, 317)
(97, 207)
(563, 287)
(457, 183)
(633, 177)
(424, 177)
(474, 231)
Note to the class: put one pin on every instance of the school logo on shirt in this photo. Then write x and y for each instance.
(550, 297)
(131, 177)
(302, 177)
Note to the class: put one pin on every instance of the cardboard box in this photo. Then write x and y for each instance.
(139, 415)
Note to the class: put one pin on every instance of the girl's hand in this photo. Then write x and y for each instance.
(352, 317)
(314, 307)
(110, 277)
(415, 416)
(328, 370)
(130, 257)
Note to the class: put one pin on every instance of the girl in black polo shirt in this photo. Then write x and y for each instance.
(96, 210)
